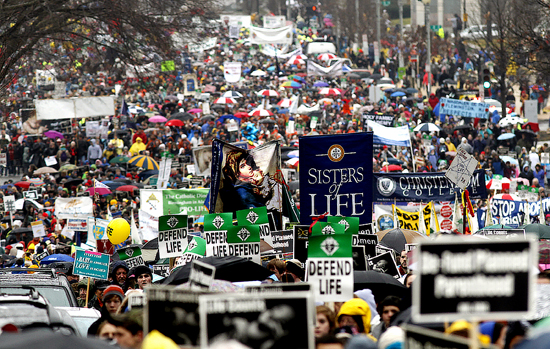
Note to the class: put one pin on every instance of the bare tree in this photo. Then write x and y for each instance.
(129, 29)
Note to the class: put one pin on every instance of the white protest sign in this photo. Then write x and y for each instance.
(50, 160)
(77, 224)
(38, 229)
(172, 235)
(3, 160)
(531, 110)
(232, 71)
(462, 168)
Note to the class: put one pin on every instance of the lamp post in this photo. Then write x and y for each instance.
(429, 44)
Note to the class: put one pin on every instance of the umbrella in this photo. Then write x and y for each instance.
(175, 122)
(148, 173)
(260, 112)
(411, 90)
(506, 158)
(496, 226)
(53, 134)
(498, 183)
(258, 73)
(386, 86)
(293, 154)
(157, 118)
(330, 91)
(232, 94)
(121, 159)
(129, 188)
(284, 103)
(506, 136)
(353, 76)
(398, 94)
(53, 258)
(510, 120)
(19, 204)
(50, 340)
(241, 114)
(268, 93)
(144, 161)
(326, 56)
(195, 111)
(449, 82)
(37, 182)
(542, 230)
(98, 191)
(391, 168)
(295, 61)
(380, 284)
(44, 170)
(230, 268)
(293, 162)
(397, 238)
(181, 116)
(23, 184)
(427, 127)
(224, 100)
(68, 167)
(291, 84)
(320, 84)
(72, 182)
(512, 197)
(375, 76)
(462, 127)
(492, 102)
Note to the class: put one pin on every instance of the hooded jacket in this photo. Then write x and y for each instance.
(357, 307)
(137, 147)
(94, 151)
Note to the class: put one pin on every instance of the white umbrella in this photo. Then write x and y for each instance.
(232, 94)
(258, 73)
(509, 120)
(427, 127)
(21, 202)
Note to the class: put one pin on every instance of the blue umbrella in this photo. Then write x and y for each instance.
(506, 136)
(272, 68)
(398, 94)
(148, 173)
(54, 258)
(320, 84)
(282, 111)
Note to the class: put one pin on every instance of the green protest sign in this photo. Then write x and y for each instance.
(326, 228)
(251, 216)
(244, 241)
(167, 66)
(91, 264)
(189, 201)
(172, 239)
(218, 221)
(131, 255)
(401, 72)
(351, 223)
(333, 246)
(195, 250)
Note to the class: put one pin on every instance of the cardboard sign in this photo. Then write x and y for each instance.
(172, 235)
(42, 256)
(50, 160)
(282, 241)
(161, 269)
(301, 237)
(91, 264)
(38, 229)
(215, 233)
(330, 267)
(241, 317)
(368, 242)
(77, 224)
(278, 288)
(195, 249)
(257, 216)
(30, 194)
(201, 276)
(244, 241)
(132, 256)
(384, 263)
(359, 258)
(174, 313)
(483, 279)
(9, 203)
(462, 168)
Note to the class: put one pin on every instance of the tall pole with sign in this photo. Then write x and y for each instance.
(429, 44)
(377, 57)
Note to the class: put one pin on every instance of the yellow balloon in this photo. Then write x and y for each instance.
(118, 231)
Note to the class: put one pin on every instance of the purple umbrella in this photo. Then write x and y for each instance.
(53, 134)
(157, 118)
(320, 84)
(99, 191)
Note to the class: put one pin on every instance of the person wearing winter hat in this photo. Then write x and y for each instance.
(394, 337)
(119, 275)
(356, 314)
(143, 275)
(112, 298)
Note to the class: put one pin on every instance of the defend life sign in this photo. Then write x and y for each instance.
(215, 233)
(330, 267)
(460, 278)
(244, 241)
(337, 176)
(172, 235)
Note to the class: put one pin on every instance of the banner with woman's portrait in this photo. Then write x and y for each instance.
(243, 179)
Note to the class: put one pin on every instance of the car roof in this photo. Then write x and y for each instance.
(81, 312)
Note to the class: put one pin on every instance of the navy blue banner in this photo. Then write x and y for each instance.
(425, 187)
(336, 176)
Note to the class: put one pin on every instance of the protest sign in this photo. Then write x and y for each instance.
(407, 220)
(430, 186)
(385, 120)
(172, 235)
(244, 241)
(384, 263)
(161, 269)
(174, 313)
(278, 288)
(77, 224)
(148, 225)
(282, 242)
(257, 216)
(38, 229)
(234, 315)
(232, 71)
(97, 230)
(330, 267)
(383, 216)
(351, 224)
(215, 233)
(337, 179)
(301, 237)
(504, 233)
(195, 249)
(131, 256)
(419, 338)
(462, 168)
(201, 276)
(368, 242)
(176, 201)
(464, 108)
(42, 256)
(91, 264)
(461, 278)
(30, 194)
(80, 207)
(3, 159)
(359, 258)
(327, 228)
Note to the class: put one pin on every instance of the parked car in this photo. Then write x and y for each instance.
(475, 32)
(49, 284)
(318, 47)
(83, 317)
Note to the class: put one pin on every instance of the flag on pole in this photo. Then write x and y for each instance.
(98, 184)
(488, 214)
(134, 232)
(434, 223)
(457, 217)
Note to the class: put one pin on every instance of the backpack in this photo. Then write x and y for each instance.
(63, 157)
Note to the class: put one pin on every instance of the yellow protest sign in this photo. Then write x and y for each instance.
(407, 220)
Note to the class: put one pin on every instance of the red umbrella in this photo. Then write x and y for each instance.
(174, 122)
(99, 191)
(241, 114)
(127, 188)
(391, 168)
(23, 184)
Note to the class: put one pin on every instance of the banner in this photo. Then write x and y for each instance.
(335, 177)
(172, 235)
(464, 108)
(417, 187)
(80, 207)
(148, 225)
(243, 179)
(232, 71)
(314, 69)
(274, 21)
(136, 71)
(173, 201)
(383, 217)
(384, 120)
(82, 107)
(262, 36)
(407, 220)
(38, 229)
(390, 135)
(204, 45)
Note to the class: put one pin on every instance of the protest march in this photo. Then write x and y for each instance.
(263, 189)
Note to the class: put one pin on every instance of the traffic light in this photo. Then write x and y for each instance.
(486, 78)
(311, 11)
